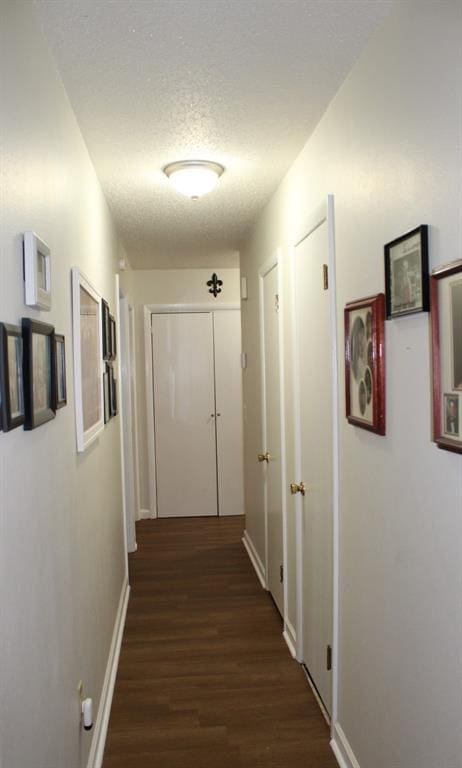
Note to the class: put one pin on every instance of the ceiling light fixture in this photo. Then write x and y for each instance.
(194, 178)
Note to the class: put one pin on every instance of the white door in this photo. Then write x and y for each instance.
(228, 383)
(271, 447)
(315, 332)
(184, 414)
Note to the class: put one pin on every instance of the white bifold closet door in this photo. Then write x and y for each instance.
(228, 381)
(184, 414)
(198, 413)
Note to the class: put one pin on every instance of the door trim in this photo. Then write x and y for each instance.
(121, 433)
(131, 317)
(323, 213)
(275, 261)
(127, 427)
(148, 310)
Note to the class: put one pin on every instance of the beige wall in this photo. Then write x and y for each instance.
(389, 148)
(61, 541)
(167, 286)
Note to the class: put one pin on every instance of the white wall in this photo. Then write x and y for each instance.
(167, 286)
(61, 543)
(389, 148)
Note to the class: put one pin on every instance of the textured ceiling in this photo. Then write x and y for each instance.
(243, 82)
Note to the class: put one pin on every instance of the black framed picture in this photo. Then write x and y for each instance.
(107, 395)
(112, 385)
(60, 371)
(39, 371)
(112, 338)
(406, 274)
(106, 330)
(11, 377)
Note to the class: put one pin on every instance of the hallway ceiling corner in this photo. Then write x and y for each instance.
(240, 83)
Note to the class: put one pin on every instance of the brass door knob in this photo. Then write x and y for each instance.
(263, 456)
(298, 488)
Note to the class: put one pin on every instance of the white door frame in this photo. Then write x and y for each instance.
(148, 310)
(121, 431)
(134, 409)
(323, 213)
(125, 396)
(275, 261)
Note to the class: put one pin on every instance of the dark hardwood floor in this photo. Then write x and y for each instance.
(205, 678)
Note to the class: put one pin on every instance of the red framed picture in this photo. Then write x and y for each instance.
(446, 319)
(365, 363)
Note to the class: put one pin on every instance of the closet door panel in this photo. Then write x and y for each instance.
(228, 383)
(184, 414)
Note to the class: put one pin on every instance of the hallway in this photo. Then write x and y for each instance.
(205, 678)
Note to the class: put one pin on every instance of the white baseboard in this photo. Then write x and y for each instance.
(341, 748)
(145, 514)
(95, 758)
(290, 638)
(254, 559)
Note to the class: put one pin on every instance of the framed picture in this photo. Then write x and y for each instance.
(39, 372)
(107, 394)
(115, 398)
(106, 330)
(406, 274)
(37, 272)
(11, 377)
(365, 363)
(60, 371)
(446, 319)
(88, 354)
(112, 384)
(113, 338)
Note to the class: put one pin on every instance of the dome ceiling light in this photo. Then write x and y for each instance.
(194, 178)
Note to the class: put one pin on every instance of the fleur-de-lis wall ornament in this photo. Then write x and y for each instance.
(214, 285)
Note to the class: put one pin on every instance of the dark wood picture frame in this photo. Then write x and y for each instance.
(112, 385)
(407, 284)
(34, 376)
(446, 379)
(365, 362)
(107, 394)
(9, 378)
(105, 330)
(60, 373)
(112, 338)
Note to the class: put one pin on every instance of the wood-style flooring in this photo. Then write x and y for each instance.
(205, 679)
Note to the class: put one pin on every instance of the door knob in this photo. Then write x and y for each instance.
(298, 488)
(263, 456)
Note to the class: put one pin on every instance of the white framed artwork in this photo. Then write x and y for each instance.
(37, 272)
(88, 360)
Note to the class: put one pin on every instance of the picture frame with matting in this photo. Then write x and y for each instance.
(365, 363)
(446, 325)
(37, 272)
(406, 274)
(39, 372)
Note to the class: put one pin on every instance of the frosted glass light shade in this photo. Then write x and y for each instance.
(194, 178)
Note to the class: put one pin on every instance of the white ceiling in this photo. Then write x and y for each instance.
(243, 82)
